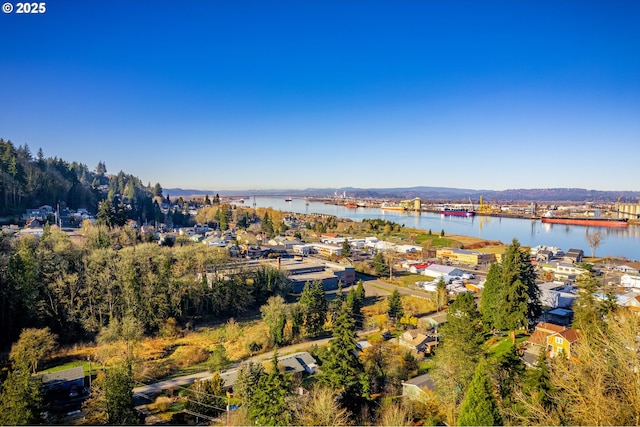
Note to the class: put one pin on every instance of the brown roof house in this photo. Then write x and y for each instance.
(416, 340)
(554, 339)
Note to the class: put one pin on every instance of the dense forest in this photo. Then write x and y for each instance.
(27, 182)
(78, 289)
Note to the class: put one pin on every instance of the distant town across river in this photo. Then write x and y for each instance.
(618, 242)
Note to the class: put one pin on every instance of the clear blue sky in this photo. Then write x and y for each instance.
(294, 94)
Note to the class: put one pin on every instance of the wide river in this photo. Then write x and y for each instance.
(618, 242)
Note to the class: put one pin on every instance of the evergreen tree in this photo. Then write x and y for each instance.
(355, 305)
(491, 295)
(249, 374)
(267, 226)
(507, 373)
(380, 264)
(514, 300)
(341, 369)
(314, 308)
(346, 248)
(20, 398)
(479, 407)
(395, 310)
(269, 405)
(442, 296)
(586, 310)
(360, 292)
(458, 353)
(537, 382)
(106, 213)
(111, 399)
(274, 314)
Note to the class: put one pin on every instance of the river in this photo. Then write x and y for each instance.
(617, 242)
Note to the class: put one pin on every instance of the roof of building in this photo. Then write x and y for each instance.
(71, 374)
(420, 381)
(549, 327)
(442, 269)
(569, 334)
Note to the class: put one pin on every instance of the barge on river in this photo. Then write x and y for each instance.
(589, 222)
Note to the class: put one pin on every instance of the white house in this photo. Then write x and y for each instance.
(630, 280)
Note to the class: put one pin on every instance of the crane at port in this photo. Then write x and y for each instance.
(483, 208)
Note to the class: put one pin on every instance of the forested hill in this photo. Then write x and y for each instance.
(28, 182)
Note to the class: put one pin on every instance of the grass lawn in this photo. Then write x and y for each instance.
(497, 346)
(69, 365)
(409, 279)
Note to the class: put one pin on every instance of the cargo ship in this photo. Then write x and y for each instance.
(386, 207)
(587, 222)
(457, 212)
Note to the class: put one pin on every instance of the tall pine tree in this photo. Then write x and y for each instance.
(342, 369)
(269, 404)
(479, 407)
(459, 352)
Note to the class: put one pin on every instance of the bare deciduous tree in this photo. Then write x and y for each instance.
(594, 239)
(321, 408)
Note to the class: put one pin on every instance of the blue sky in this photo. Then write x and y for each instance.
(294, 94)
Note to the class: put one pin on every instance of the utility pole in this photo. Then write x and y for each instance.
(90, 371)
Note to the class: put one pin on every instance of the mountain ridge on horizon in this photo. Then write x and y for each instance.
(438, 193)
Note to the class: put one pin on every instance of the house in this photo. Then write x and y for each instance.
(542, 331)
(555, 339)
(544, 255)
(629, 300)
(560, 316)
(33, 223)
(301, 362)
(574, 256)
(63, 381)
(418, 341)
(303, 250)
(557, 294)
(561, 342)
(563, 271)
(418, 388)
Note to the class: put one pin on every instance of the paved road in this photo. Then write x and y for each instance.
(186, 380)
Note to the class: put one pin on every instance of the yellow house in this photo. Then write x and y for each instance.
(561, 342)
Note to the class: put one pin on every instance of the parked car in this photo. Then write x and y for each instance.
(386, 335)
(468, 276)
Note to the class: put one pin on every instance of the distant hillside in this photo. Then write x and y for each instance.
(432, 193)
(27, 183)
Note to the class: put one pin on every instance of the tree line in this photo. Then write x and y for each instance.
(77, 290)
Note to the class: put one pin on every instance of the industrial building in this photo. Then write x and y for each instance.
(465, 257)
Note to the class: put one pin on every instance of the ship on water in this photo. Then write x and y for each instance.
(288, 199)
(550, 218)
(457, 212)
